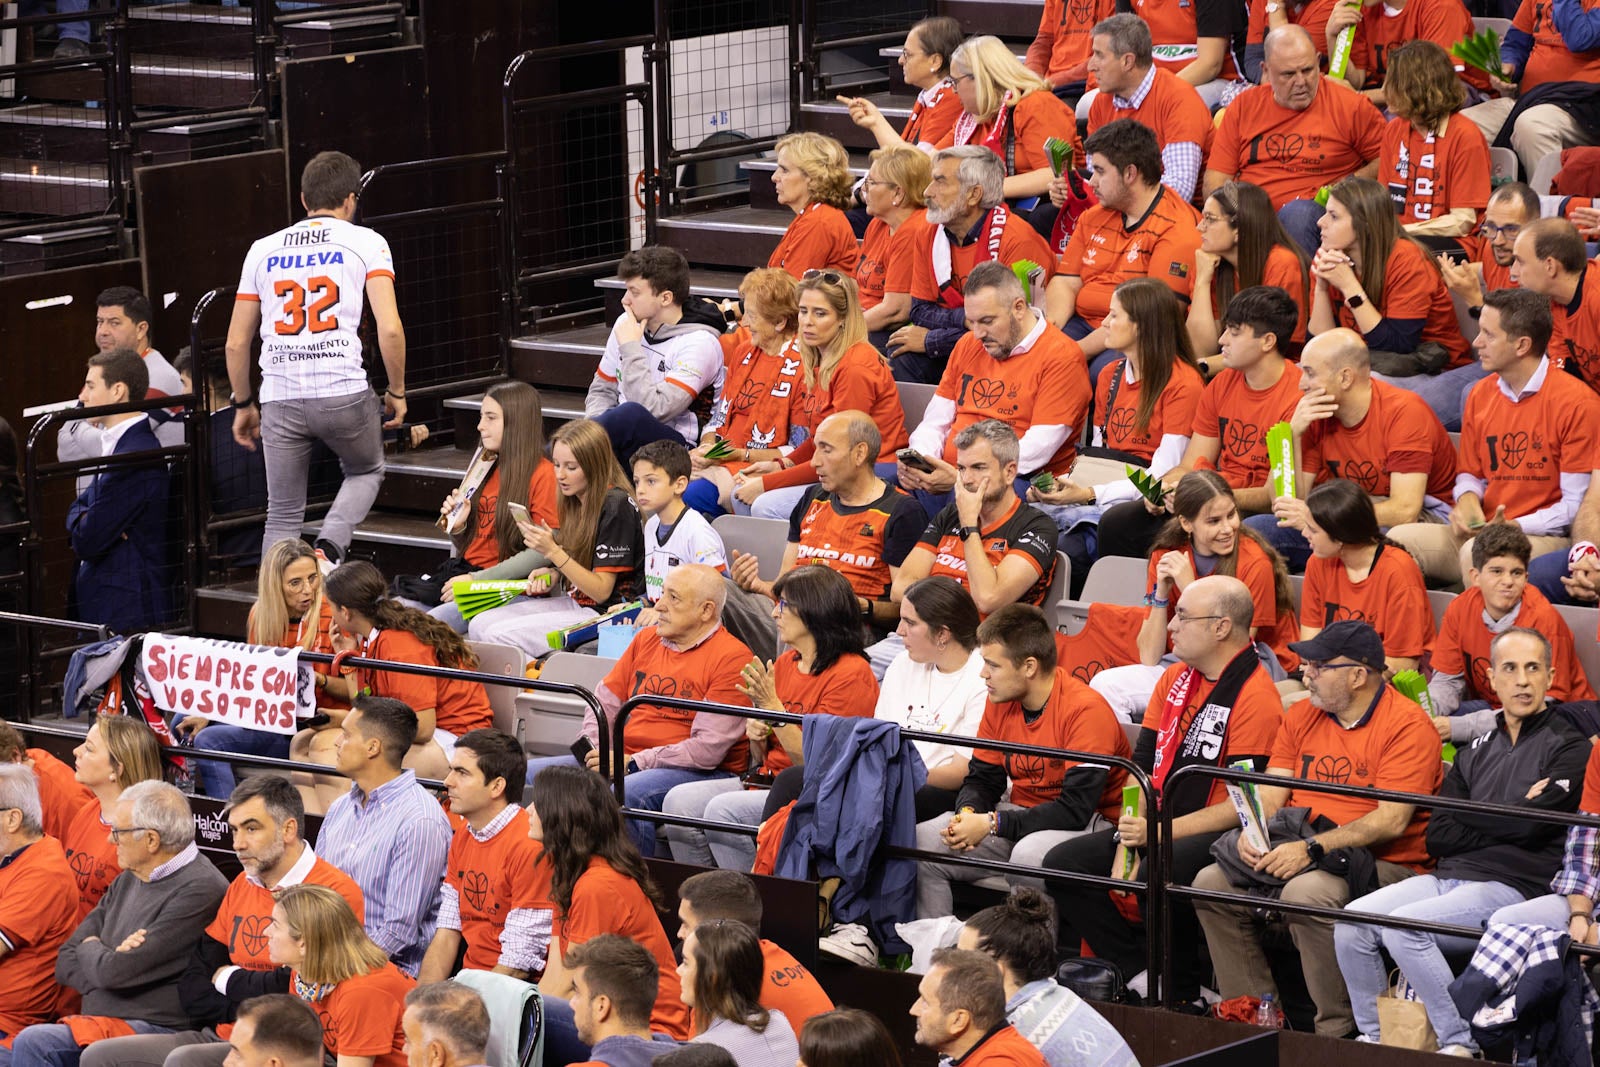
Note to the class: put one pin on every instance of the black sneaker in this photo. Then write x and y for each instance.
(329, 551)
(70, 48)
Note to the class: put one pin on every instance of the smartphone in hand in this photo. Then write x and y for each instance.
(915, 460)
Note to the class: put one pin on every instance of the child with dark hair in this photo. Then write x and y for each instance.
(674, 533)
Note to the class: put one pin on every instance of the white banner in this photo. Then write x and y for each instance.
(224, 681)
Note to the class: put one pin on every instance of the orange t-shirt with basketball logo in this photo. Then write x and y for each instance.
(1463, 646)
(1284, 270)
(1291, 154)
(91, 855)
(1105, 252)
(847, 688)
(1392, 599)
(1575, 334)
(1239, 417)
(708, 672)
(1017, 240)
(458, 706)
(862, 543)
(246, 911)
(361, 1016)
(483, 551)
(1173, 413)
(888, 259)
(1427, 175)
(1074, 718)
(1413, 289)
(492, 879)
(762, 394)
(1048, 385)
(1393, 747)
(1065, 26)
(1551, 60)
(1172, 110)
(1521, 450)
(861, 382)
(1400, 434)
(1383, 29)
(1109, 638)
(819, 238)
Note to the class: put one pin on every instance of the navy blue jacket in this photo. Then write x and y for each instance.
(118, 529)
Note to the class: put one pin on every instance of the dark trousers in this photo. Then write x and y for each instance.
(1127, 529)
(631, 427)
(1089, 910)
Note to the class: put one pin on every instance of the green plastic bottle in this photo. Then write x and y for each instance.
(1339, 62)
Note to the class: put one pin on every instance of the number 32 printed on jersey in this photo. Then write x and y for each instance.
(298, 316)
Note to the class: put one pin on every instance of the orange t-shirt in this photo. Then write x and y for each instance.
(1173, 413)
(1575, 336)
(1427, 175)
(1075, 718)
(38, 912)
(606, 902)
(1047, 385)
(1414, 289)
(246, 911)
(1254, 569)
(861, 382)
(1171, 109)
(888, 260)
(1399, 434)
(1060, 51)
(1380, 32)
(1105, 252)
(91, 855)
(1591, 783)
(1482, 253)
(789, 987)
(761, 394)
(291, 637)
(1313, 16)
(1551, 60)
(847, 688)
(1394, 747)
(492, 879)
(1037, 117)
(361, 1017)
(1109, 638)
(1521, 450)
(1004, 1047)
(60, 792)
(1239, 417)
(483, 551)
(458, 706)
(1291, 154)
(1392, 599)
(1174, 32)
(819, 238)
(1463, 646)
(1251, 728)
(1283, 269)
(708, 672)
(931, 119)
(1015, 241)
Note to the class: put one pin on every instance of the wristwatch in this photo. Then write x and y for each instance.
(964, 532)
(237, 403)
(1475, 311)
(1314, 851)
(1353, 302)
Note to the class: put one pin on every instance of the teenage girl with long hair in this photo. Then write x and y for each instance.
(599, 885)
(843, 372)
(1205, 536)
(596, 555)
(1242, 244)
(721, 975)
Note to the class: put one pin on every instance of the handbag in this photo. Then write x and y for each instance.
(1403, 1020)
(426, 588)
(1093, 978)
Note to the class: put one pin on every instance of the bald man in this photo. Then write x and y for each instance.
(1294, 133)
(686, 654)
(1351, 425)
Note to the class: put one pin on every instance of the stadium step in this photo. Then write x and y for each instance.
(718, 285)
(563, 359)
(44, 187)
(158, 81)
(833, 118)
(93, 242)
(67, 134)
(736, 237)
(205, 31)
(1017, 19)
(760, 171)
(224, 610)
(398, 544)
(559, 405)
(418, 480)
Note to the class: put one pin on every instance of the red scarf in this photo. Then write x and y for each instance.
(949, 293)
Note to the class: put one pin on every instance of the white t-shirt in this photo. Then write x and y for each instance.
(919, 697)
(311, 281)
(690, 540)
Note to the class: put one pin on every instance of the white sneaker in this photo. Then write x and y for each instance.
(1364, 1039)
(1461, 1051)
(850, 942)
(1140, 984)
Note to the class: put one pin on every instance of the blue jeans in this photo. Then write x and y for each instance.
(215, 778)
(1290, 542)
(1550, 910)
(641, 789)
(1300, 217)
(1546, 572)
(917, 367)
(631, 427)
(561, 1044)
(77, 31)
(1419, 956)
(52, 1044)
(1445, 392)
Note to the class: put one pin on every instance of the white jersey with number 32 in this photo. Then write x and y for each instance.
(311, 281)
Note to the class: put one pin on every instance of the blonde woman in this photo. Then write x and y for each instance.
(843, 372)
(812, 179)
(338, 970)
(116, 752)
(1009, 109)
(893, 192)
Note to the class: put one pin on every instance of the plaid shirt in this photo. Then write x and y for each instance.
(1505, 953)
(1580, 867)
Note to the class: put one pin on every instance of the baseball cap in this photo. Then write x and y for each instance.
(1347, 637)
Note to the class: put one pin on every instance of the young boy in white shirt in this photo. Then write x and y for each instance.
(674, 533)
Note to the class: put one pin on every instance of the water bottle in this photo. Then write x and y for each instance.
(1268, 1015)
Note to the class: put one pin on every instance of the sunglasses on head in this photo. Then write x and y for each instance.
(831, 277)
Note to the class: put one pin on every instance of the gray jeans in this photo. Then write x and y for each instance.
(350, 425)
(186, 1048)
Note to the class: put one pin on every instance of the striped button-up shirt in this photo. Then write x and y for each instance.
(393, 841)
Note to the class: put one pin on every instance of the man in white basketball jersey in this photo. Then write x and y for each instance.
(302, 289)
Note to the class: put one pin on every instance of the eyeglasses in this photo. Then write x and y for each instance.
(959, 78)
(869, 181)
(115, 832)
(1180, 617)
(1310, 667)
(1208, 219)
(831, 277)
(1494, 233)
(783, 605)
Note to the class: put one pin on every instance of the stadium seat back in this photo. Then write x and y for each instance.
(763, 538)
(507, 660)
(547, 723)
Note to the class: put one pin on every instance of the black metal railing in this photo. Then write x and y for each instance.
(31, 673)
(841, 41)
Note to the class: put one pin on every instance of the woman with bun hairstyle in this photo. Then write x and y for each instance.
(925, 66)
(842, 372)
(1020, 936)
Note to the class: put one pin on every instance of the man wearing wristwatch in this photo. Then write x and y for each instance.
(302, 288)
(1353, 729)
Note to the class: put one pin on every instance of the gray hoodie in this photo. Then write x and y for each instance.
(666, 372)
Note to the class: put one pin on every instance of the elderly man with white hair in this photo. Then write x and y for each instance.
(126, 955)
